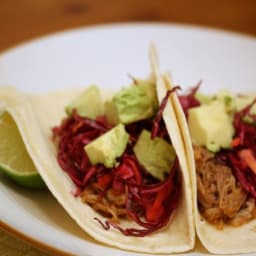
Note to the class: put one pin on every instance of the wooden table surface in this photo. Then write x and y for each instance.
(21, 20)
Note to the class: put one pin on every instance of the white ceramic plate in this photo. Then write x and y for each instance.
(105, 55)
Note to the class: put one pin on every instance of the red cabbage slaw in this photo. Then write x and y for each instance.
(149, 202)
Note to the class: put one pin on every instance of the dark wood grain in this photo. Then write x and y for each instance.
(21, 20)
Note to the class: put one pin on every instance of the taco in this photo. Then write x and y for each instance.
(115, 162)
(219, 133)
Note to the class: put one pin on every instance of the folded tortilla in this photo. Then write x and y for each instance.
(230, 239)
(35, 116)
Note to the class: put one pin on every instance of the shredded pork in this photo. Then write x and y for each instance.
(107, 202)
(221, 199)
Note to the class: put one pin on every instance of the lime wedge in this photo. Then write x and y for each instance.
(15, 161)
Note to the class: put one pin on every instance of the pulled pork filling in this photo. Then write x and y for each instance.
(111, 205)
(221, 198)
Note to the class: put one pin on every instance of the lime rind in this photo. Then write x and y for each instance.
(15, 162)
(25, 179)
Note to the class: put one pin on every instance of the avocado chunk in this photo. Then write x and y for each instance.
(150, 89)
(132, 104)
(228, 99)
(88, 104)
(211, 126)
(223, 95)
(203, 98)
(108, 147)
(156, 156)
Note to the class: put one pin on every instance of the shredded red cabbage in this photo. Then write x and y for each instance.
(71, 136)
(246, 178)
(149, 203)
(245, 133)
(156, 123)
(158, 201)
(189, 100)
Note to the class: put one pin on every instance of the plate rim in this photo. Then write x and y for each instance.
(37, 244)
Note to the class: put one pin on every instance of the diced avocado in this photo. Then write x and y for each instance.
(211, 126)
(203, 98)
(150, 89)
(88, 103)
(227, 98)
(224, 96)
(213, 147)
(156, 156)
(132, 104)
(108, 147)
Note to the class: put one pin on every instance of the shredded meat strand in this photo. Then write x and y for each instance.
(110, 205)
(221, 199)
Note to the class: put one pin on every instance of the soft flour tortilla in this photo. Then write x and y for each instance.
(35, 116)
(229, 239)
